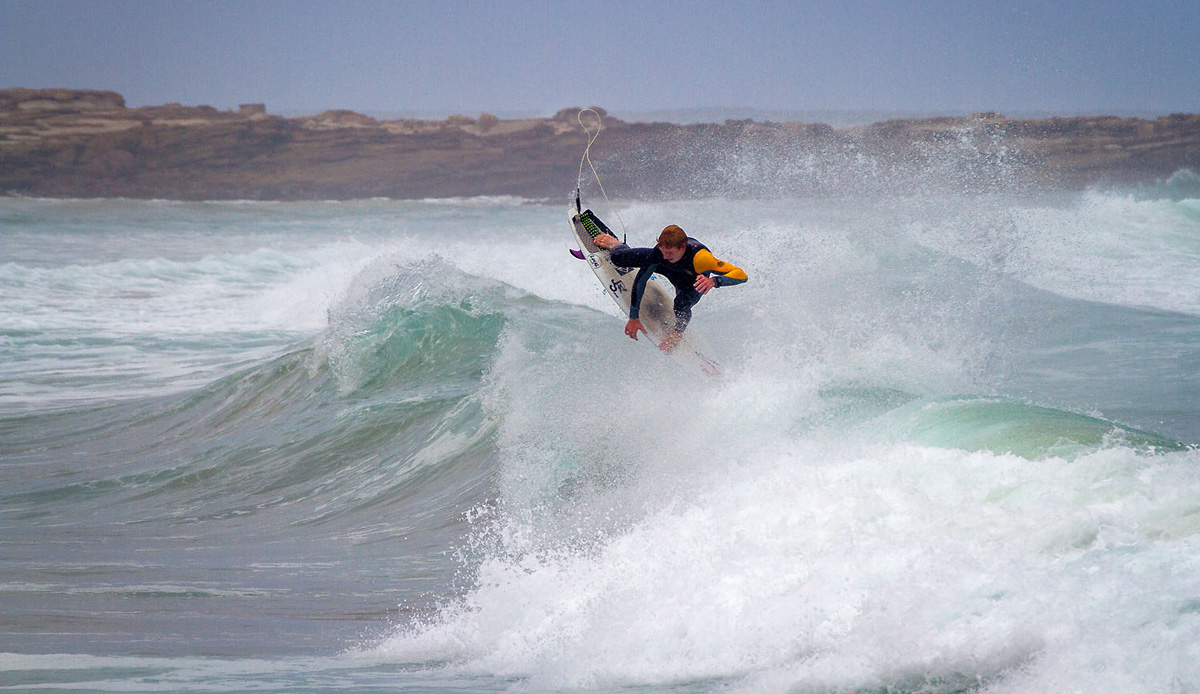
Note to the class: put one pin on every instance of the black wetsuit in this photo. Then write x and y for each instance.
(682, 275)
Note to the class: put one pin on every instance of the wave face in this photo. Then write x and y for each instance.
(305, 446)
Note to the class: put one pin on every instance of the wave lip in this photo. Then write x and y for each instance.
(1003, 426)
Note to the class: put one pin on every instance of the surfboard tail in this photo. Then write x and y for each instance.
(593, 225)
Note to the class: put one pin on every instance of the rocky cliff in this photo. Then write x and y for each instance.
(70, 143)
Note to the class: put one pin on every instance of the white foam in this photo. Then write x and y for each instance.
(822, 567)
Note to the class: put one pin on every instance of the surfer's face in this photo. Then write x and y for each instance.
(672, 254)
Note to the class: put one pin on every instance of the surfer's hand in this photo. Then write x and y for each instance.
(634, 326)
(704, 283)
(606, 241)
(671, 341)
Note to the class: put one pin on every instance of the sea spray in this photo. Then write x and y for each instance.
(789, 529)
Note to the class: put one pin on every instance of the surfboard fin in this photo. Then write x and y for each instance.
(577, 254)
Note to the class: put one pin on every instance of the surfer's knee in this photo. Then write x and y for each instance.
(683, 316)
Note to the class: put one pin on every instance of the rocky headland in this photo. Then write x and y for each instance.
(76, 143)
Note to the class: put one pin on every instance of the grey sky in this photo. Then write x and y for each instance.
(524, 56)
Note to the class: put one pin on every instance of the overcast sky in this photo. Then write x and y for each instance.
(537, 57)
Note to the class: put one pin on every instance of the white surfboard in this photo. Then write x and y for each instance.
(657, 312)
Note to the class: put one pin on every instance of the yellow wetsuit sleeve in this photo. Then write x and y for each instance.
(706, 262)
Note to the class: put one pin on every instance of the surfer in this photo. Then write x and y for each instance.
(685, 262)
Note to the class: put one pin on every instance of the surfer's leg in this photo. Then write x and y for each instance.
(684, 300)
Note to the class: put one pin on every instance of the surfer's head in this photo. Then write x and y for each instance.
(672, 242)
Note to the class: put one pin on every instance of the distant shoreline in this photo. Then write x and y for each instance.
(61, 143)
(837, 118)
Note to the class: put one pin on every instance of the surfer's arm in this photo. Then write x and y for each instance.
(639, 288)
(725, 274)
(624, 256)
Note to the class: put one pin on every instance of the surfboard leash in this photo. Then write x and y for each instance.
(587, 157)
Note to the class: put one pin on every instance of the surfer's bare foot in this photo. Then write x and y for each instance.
(606, 241)
(671, 341)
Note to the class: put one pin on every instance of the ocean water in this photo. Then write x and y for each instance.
(405, 446)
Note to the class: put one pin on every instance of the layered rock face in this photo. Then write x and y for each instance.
(61, 100)
(73, 143)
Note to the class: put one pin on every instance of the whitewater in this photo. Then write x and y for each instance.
(387, 445)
